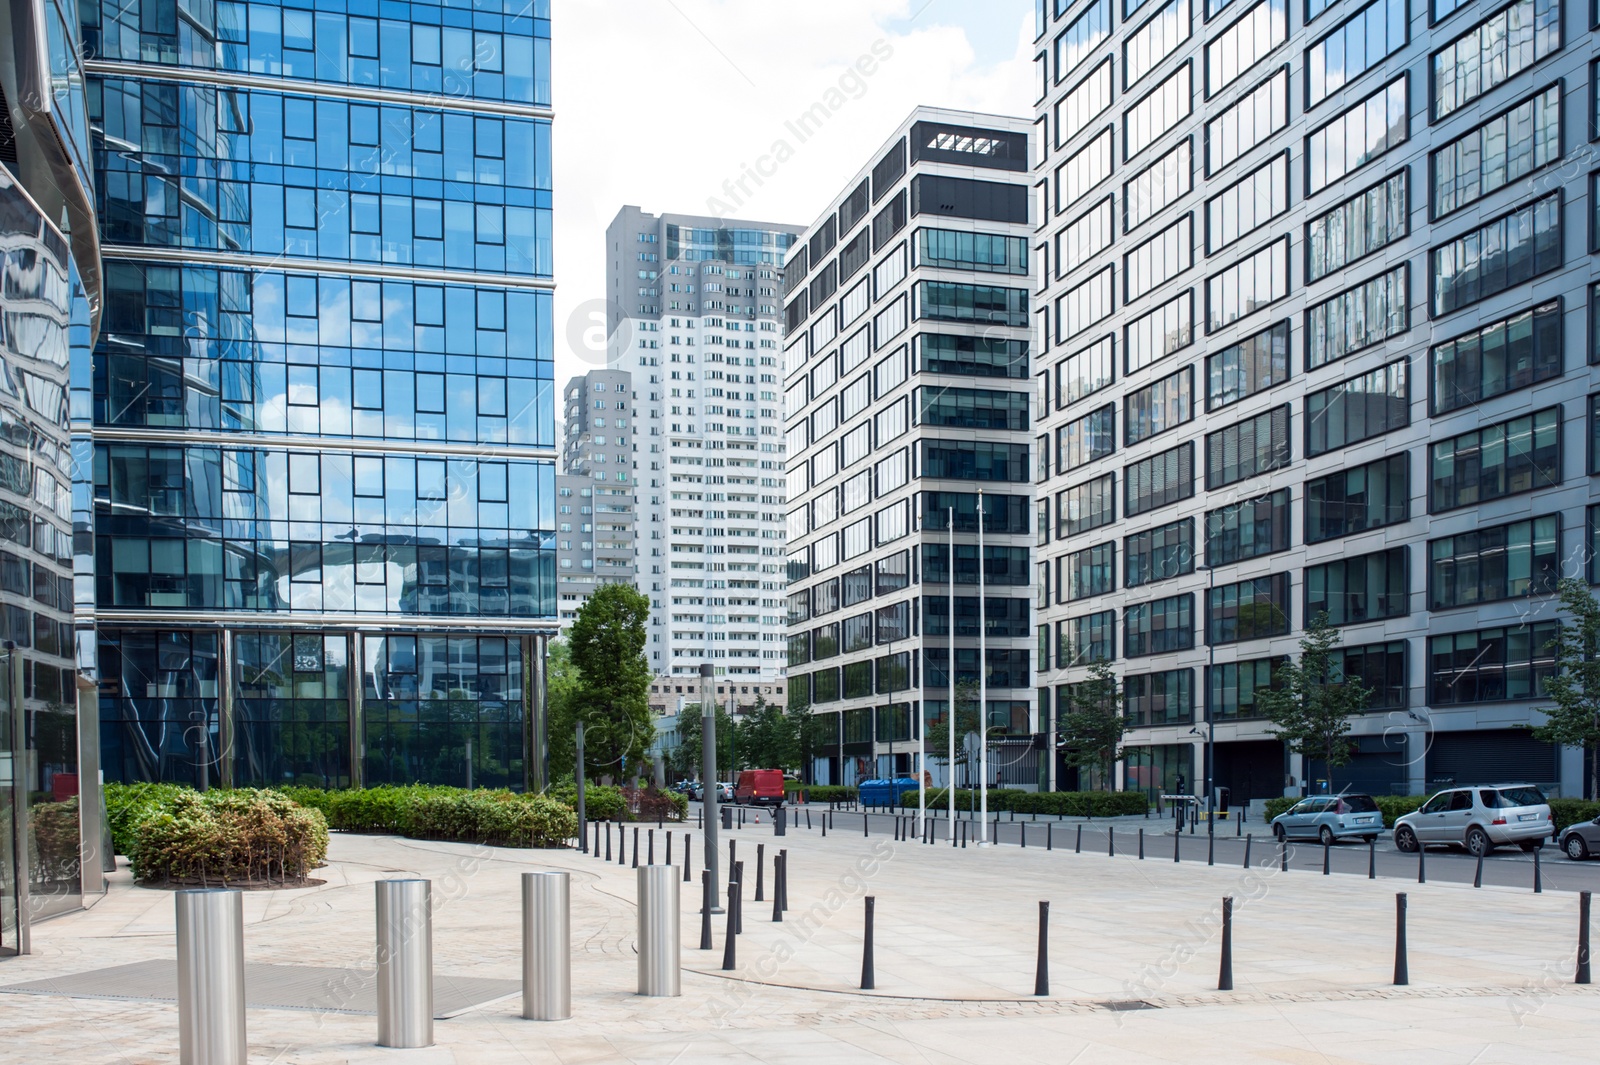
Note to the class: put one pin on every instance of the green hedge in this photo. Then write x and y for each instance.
(1063, 803)
(830, 793)
(227, 835)
(430, 811)
(128, 804)
(607, 802)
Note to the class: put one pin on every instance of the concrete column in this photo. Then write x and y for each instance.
(1417, 762)
(1572, 778)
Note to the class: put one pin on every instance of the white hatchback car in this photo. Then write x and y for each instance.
(1479, 819)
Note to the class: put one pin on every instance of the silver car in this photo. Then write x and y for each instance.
(1581, 840)
(1479, 819)
(1327, 818)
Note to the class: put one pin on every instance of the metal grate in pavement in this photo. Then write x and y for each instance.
(294, 987)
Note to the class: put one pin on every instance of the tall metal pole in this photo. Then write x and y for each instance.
(1211, 720)
(708, 770)
(950, 678)
(983, 682)
(583, 818)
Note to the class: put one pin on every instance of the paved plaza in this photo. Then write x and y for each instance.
(1134, 949)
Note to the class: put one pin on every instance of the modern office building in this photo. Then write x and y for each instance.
(595, 505)
(695, 317)
(324, 434)
(50, 305)
(906, 398)
(1316, 334)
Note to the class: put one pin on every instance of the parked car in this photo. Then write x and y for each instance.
(1329, 818)
(1581, 840)
(724, 791)
(759, 787)
(1479, 819)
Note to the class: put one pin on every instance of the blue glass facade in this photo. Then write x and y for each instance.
(323, 470)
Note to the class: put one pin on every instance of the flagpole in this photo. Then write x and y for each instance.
(983, 686)
(950, 678)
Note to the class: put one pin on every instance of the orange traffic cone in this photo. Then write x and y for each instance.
(758, 818)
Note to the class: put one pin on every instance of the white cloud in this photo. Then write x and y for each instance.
(660, 102)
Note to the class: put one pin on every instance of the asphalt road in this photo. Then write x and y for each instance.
(1509, 867)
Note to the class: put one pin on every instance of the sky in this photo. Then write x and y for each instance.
(659, 103)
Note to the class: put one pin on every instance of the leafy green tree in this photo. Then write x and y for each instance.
(612, 695)
(966, 722)
(691, 741)
(768, 738)
(1090, 732)
(561, 682)
(1574, 720)
(1312, 701)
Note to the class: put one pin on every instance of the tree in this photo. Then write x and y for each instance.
(561, 682)
(612, 695)
(1574, 720)
(691, 740)
(1312, 701)
(1090, 733)
(966, 723)
(768, 738)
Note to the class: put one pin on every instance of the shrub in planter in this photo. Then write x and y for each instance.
(829, 793)
(601, 802)
(496, 818)
(229, 836)
(128, 804)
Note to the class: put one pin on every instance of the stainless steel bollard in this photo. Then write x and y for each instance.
(546, 946)
(405, 963)
(211, 977)
(659, 968)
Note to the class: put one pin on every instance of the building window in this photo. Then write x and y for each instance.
(1353, 501)
(1253, 118)
(1086, 640)
(1158, 185)
(1158, 37)
(1495, 50)
(1505, 459)
(1364, 588)
(1502, 357)
(1232, 688)
(1156, 628)
(1158, 111)
(1085, 237)
(1160, 332)
(1081, 307)
(1085, 169)
(989, 304)
(1359, 317)
(974, 460)
(1355, 137)
(1505, 149)
(1082, 103)
(1086, 506)
(1085, 373)
(1248, 529)
(1158, 407)
(1512, 561)
(1248, 449)
(1381, 667)
(1514, 248)
(1085, 439)
(1369, 220)
(1158, 554)
(1159, 480)
(1089, 572)
(1492, 665)
(1248, 610)
(972, 408)
(1165, 698)
(1159, 259)
(1248, 204)
(1244, 43)
(1358, 408)
(1356, 45)
(1249, 285)
(968, 356)
(1078, 41)
(1253, 365)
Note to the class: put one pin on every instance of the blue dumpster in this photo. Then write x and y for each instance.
(884, 792)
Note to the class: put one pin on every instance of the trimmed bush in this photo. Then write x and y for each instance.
(228, 836)
(829, 793)
(495, 818)
(1566, 812)
(128, 804)
(1063, 803)
(601, 802)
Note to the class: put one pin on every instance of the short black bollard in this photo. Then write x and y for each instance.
(865, 817)
(1477, 874)
(1078, 847)
(1141, 844)
(608, 841)
(777, 895)
(1024, 830)
(651, 860)
(1283, 854)
(1327, 849)
(1238, 825)
(1211, 848)
(700, 818)
(963, 835)
(686, 862)
(706, 894)
(622, 845)
(1177, 846)
(808, 819)
(780, 821)
(867, 983)
(1422, 863)
(1372, 857)
(1049, 836)
(1402, 972)
(1111, 842)
(1538, 879)
(1041, 971)
(783, 881)
(669, 846)
(1583, 939)
(761, 871)
(1225, 971)
(730, 942)
(824, 825)
(1247, 841)
(736, 899)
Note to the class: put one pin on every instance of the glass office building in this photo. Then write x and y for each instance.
(323, 432)
(1321, 279)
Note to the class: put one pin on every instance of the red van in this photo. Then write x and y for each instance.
(759, 787)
